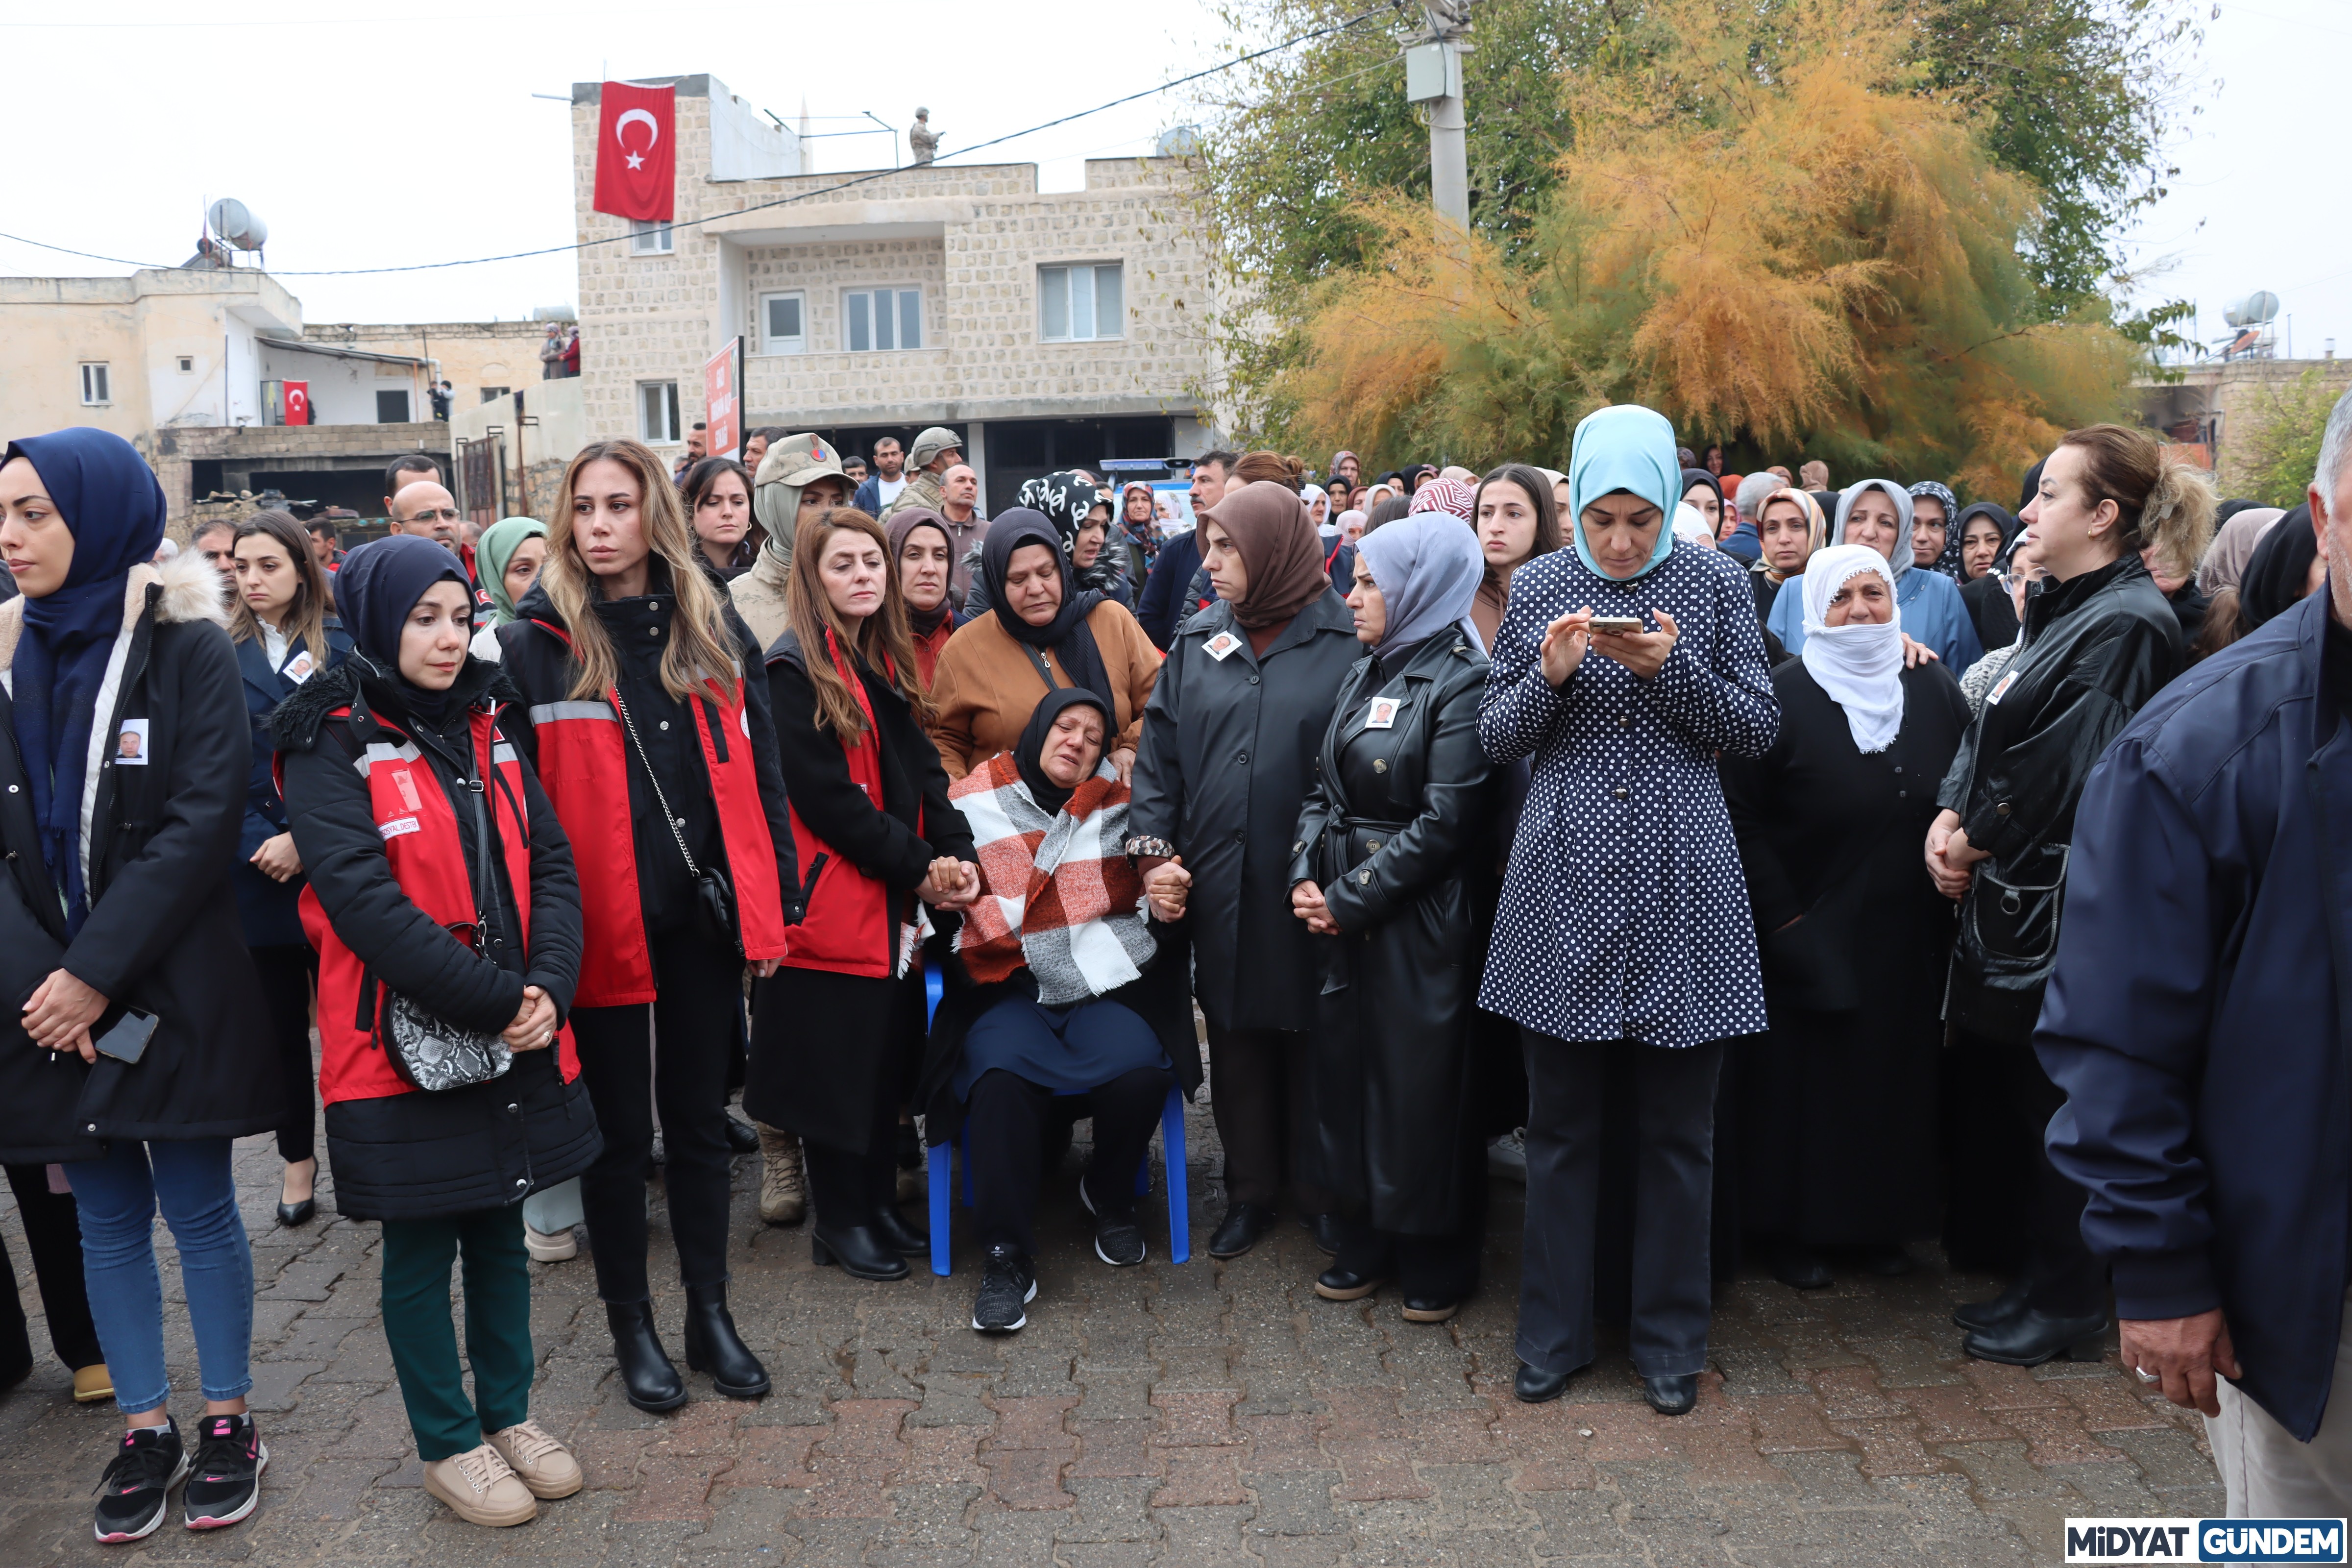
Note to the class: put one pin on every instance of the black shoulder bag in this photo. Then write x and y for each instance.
(714, 900)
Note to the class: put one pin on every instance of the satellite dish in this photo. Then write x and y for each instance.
(2259, 308)
(236, 225)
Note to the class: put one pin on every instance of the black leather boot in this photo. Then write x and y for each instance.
(652, 1382)
(2032, 1337)
(712, 1345)
(858, 1249)
(897, 1233)
(1982, 1317)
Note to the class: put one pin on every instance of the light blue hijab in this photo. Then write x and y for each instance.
(1625, 447)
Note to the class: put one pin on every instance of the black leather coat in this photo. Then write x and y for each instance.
(1395, 830)
(2097, 647)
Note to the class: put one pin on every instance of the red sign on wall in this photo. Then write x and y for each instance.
(298, 403)
(722, 404)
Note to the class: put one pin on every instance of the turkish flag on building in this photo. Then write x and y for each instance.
(298, 403)
(636, 151)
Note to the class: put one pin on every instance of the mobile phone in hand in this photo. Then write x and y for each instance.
(127, 1041)
(1625, 625)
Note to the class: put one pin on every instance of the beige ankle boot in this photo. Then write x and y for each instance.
(480, 1488)
(538, 1460)
(783, 1190)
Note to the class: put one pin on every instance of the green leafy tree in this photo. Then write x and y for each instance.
(2282, 451)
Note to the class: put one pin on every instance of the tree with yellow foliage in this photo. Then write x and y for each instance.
(1761, 230)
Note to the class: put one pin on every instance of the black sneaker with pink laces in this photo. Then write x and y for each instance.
(136, 1489)
(225, 1484)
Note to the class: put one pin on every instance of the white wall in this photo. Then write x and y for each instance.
(342, 391)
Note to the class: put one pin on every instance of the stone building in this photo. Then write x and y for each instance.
(2216, 409)
(1048, 328)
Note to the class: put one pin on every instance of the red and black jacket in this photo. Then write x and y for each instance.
(583, 758)
(867, 819)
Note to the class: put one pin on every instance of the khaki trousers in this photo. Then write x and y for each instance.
(2269, 1474)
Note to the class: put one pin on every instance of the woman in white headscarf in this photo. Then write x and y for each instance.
(1877, 513)
(1837, 1103)
(1392, 842)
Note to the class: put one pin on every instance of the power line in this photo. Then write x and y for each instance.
(1323, 31)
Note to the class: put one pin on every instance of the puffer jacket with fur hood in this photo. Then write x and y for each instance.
(161, 836)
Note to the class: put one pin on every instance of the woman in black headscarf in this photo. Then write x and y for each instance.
(1075, 504)
(1038, 633)
(2285, 567)
(1987, 600)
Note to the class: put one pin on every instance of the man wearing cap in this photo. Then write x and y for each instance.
(800, 477)
(935, 451)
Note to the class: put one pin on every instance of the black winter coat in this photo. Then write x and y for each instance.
(418, 1155)
(267, 906)
(1228, 755)
(1397, 830)
(163, 933)
(2097, 647)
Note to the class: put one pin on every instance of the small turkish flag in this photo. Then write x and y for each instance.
(298, 403)
(636, 151)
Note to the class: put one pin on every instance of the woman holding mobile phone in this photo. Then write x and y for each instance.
(143, 1041)
(1622, 940)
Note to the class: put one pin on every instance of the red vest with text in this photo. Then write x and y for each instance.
(848, 929)
(584, 766)
(419, 824)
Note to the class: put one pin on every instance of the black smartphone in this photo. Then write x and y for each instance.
(127, 1041)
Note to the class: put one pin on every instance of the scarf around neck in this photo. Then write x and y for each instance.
(108, 499)
(1860, 667)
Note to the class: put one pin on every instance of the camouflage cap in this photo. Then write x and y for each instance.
(799, 460)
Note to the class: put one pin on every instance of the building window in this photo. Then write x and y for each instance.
(96, 386)
(1079, 303)
(392, 407)
(650, 236)
(492, 394)
(884, 318)
(658, 413)
(187, 363)
(783, 324)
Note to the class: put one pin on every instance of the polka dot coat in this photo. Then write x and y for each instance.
(1625, 913)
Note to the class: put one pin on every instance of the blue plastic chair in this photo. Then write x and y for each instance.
(942, 1158)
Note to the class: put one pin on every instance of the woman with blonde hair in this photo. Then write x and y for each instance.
(836, 1032)
(660, 760)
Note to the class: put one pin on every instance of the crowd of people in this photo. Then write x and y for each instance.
(1691, 846)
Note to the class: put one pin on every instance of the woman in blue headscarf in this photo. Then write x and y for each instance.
(1622, 668)
(1877, 513)
(143, 1045)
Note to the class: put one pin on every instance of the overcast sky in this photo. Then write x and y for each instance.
(367, 140)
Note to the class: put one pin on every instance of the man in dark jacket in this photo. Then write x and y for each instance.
(1164, 605)
(2195, 1021)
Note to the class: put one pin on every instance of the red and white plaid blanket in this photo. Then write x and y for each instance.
(1058, 894)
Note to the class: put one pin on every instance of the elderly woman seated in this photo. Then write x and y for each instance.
(1065, 997)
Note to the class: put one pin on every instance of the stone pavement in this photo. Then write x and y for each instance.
(1209, 1413)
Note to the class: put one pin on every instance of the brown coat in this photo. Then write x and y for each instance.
(985, 688)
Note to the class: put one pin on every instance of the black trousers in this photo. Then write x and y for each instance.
(2065, 1279)
(289, 972)
(52, 1235)
(681, 1045)
(1259, 1094)
(851, 1188)
(1674, 1114)
(1006, 1124)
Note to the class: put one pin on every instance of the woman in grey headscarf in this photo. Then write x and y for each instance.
(1392, 837)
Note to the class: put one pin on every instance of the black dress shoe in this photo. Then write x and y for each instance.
(1979, 1317)
(712, 1345)
(1534, 1388)
(742, 1138)
(1345, 1285)
(1671, 1393)
(297, 1214)
(651, 1381)
(1799, 1268)
(1324, 1229)
(897, 1233)
(859, 1250)
(2031, 1338)
(1428, 1309)
(1887, 1259)
(1243, 1226)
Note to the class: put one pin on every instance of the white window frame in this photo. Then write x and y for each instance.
(1094, 274)
(96, 383)
(658, 400)
(898, 295)
(769, 342)
(651, 237)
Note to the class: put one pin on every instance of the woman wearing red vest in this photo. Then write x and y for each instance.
(662, 764)
(416, 822)
(836, 1035)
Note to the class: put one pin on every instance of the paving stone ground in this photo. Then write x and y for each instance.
(1213, 1413)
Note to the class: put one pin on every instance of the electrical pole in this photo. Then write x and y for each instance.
(1433, 75)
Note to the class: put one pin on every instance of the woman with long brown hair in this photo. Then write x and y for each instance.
(661, 762)
(285, 629)
(838, 1031)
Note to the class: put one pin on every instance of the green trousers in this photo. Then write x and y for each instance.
(417, 1254)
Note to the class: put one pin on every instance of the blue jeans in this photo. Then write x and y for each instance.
(118, 1194)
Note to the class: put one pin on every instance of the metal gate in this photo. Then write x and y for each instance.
(482, 478)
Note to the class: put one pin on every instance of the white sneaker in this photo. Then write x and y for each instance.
(551, 1249)
(1507, 1156)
